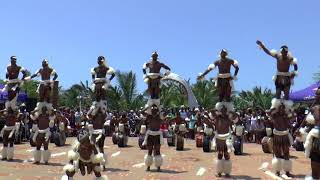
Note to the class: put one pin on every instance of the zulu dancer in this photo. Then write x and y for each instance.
(153, 79)
(100, 80)
(312, 144)
(43, 120)
(153, 139)
(11, 117)
(45, 86)
(97, 131)
(223, 121)
(283, 79)
(224, 80)
(13, 82)
(282, 140)
(84, 155)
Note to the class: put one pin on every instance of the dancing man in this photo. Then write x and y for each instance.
(224, 80)
(282, 140)
(283, 79)
(13, 82)
(97, 131)
(43, 120)
(84, 155)
(312, 144)
(100, 80)
(223, 121)
(11, 117)
(153, 139)
(153, 78)
(45, 86)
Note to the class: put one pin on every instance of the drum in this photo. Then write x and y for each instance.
(267, 145)
(140, 141)
(180, 143)
(238, 145)
(115, 138)
(171, 139)
(59, 139)
(206, 144)
(298, 145)
(122, 141)
(199, 140)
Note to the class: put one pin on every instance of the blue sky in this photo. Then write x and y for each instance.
(188, 35)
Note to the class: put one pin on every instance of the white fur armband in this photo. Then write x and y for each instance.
(211, 67)
(22, 69)
(72, 155)
(273, 52)
(235, 63)
(111, 70)
(294, 61)
(93, 72)
(68, 168)
(98, 158)
(144, 66)
(53, 72)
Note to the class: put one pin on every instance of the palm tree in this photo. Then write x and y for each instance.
(127, 91)
(257, 98)
(206, 93)
(173, 95)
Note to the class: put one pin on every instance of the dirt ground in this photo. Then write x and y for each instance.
(127, 163)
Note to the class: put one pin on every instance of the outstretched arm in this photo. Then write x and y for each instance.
(165, 67)
(210, 68)
(267, 51)
(35, 75)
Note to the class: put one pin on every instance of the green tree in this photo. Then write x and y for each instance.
(173, 95)
(206, 93)
(257, 98)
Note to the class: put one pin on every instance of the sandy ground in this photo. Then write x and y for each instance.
(127, 163)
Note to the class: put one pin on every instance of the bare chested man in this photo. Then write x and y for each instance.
(100, 80)
(97, 132)
(224, 81)
(13, 82)
(45, 85)
(153, 78)
(282, 140)
(153, 138)
(85, 156)
(42, 122)
(283, 78)
(11, 117)
(312, 144)
(223, 121)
